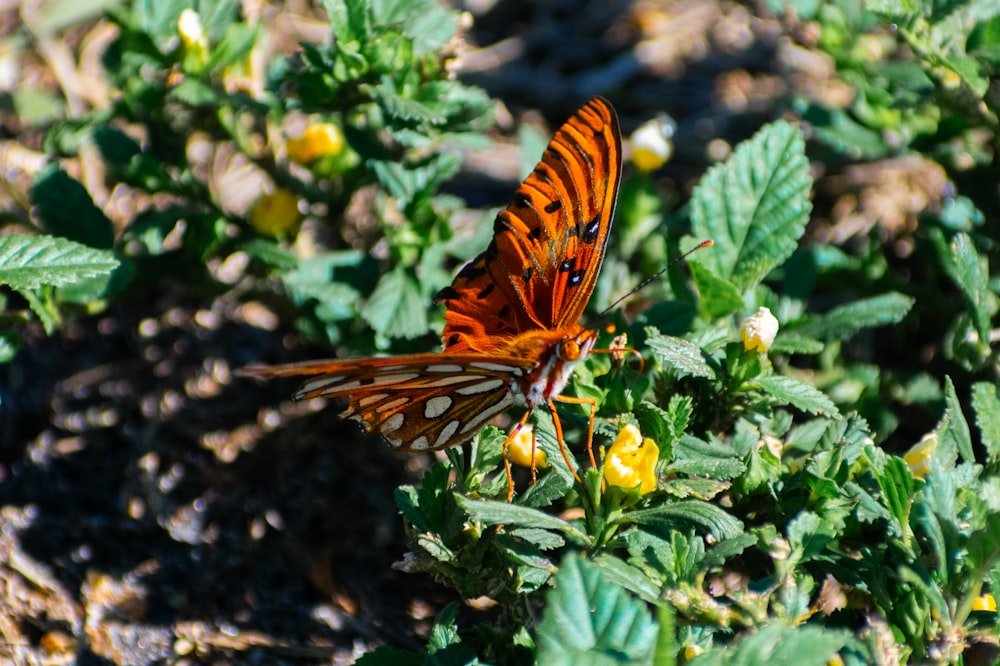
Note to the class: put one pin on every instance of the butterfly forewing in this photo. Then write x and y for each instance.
(417, 402)
(540, 269)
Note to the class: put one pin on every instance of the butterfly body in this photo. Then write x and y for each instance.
(512, 334)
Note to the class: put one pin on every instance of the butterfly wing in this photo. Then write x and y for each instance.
(539, 271)
(418, 402)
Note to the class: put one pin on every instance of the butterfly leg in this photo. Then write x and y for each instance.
(592, 405)
(506, 461)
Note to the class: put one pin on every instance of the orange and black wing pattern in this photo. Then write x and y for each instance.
(548, 245)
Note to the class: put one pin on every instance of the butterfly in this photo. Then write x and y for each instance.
(512, 334)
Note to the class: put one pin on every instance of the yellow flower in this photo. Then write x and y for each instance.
(985, 602)
(193, 37)
(631, 461)
(275, 213)
(918, 458)
(758, 330)
(651, 145)
(319, 140)
(522, 446)
(692, 651)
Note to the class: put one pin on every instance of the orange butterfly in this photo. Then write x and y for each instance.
(512, 334)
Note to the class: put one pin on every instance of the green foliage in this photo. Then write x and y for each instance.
(778, 529)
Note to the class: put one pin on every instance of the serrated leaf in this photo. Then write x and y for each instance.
(396, 308)
(406, 181)
(629, 577)
(350, 19)
(804, 396)
(986, 405)
(970, 272)
(754, 206)
(719, 297)
(66, 210)
(698, 458)
(30, 262)
(779, 645)
(590, 620)
(427, 23)
(958, 427)
(842, 322)
(403, 108)
(677, 354)
(686, 514)
(502, 513)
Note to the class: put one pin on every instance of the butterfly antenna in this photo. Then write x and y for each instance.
(648, 279)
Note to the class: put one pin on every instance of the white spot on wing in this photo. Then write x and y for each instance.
(484, 416)
(419, 444)
(444, 367)
(394, 379)
(392, 424)
(496, 367)
(330, 385)
(378, 397)
(481, 387)
(389, 406)
(437, 406)
(446, 433)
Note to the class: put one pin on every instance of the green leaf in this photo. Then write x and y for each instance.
(842, 322)
(686, 514)
(677, 354)
(629, 577)
(30, 262)
(719, 297)
(350, 19)
(986, 406)
(754, 206)
(958, 427)
(804, 396)
(403, 108)
(396, 308)
(66, 210)
(716, 460)
(428, 23)
(970, 272)
(502, 513)
(775, 644)
(590, 620)
(406, 181)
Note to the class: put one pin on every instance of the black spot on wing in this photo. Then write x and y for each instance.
(553, 206)
(566, 265)
(535, 233)
(504, 312)
(453, 340)
(589, 234)
(472, 271)
(576, 277)
(487, 290)
(528, 272)
(445, 294)
(521, 200)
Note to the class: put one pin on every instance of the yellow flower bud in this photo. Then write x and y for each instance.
(319, 140)
(918, 458)
(985, 602)
(651, 145)
(193, 37)
(275, 213)
(631, 461)
(522, 446)
(758, 330)
(692, 651)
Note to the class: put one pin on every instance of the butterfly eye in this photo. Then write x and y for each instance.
(569, 351)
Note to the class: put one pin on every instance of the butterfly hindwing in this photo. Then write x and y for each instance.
(417, 402)
(539, 271)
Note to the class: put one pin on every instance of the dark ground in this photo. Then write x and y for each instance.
(152, 507)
